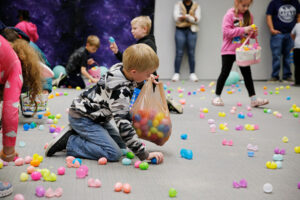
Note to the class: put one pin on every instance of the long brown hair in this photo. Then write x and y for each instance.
(31, 69)
(247, 14)
(30, 61)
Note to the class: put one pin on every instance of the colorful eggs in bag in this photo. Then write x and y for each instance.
(152, 126)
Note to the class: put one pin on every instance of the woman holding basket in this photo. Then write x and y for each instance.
(236, 27)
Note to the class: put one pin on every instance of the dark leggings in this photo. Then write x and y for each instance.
(227, 62)
(73, 80)
(297, 66)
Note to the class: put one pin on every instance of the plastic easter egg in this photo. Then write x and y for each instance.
(61, 171)
(19, 197)
(126, 161)
(130, 155)
(40, 191)
(137, 163)
(1, 164)
(172, 192)
(35, 176)
(85, 168)
(297, 149)
(268, 188)
(137, 117)
(144, 166)
(250, 153)
(184, 136)
(126, 188)
(35, 163)
(285, 139)
(26, 127)
(70, 159)
(202, 116)
(118, 187)
(80, 173)
(205, 110)
(279, 164)
(52, 177)
(78, 160)
(24, 177)
(30, 169)
(102, 161)
(19, 162)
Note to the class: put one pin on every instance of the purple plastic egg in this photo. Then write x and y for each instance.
(277, 150)
(40, 191)
(51, 129)
(282, 151)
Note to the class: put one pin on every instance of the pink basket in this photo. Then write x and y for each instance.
(248, 54)
(95, 72)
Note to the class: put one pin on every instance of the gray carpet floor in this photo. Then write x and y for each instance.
(209, 175)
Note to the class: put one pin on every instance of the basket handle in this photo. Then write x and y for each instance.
(247, 39)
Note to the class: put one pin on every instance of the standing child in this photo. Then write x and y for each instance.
(91, 135)
(296, 37)
(77, 65)
(140, 29)
(236, 26)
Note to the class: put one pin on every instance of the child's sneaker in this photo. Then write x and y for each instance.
(5, 189)
(175, 77)
(60, 142)
(193, 77)
(217, 101)
(56, 82)
(259, 102)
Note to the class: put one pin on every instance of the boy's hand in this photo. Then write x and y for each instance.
(152, 78)
(90, 61)
(158, 155)
(114, 48)
(275, 32)
(93, 80)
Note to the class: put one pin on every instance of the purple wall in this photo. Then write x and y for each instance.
(63, 25)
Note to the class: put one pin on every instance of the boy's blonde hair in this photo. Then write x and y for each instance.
(93, 40)
(140, 57)
(143, 21)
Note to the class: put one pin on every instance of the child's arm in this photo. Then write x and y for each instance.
(229, 30)
(178, 17)
(87, 75)
(114, 48)
(120, 110)
(271, 26)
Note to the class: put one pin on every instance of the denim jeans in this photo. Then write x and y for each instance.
(93, 140)
(185, 38)
(281, 44)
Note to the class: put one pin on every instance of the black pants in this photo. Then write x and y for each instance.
(297, 66)
(72, 80)
(227, 62)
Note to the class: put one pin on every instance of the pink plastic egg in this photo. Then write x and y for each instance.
(19, 162)
(80, 173)
(30, 169)
(85, 168)
(61, 171)
(19, 197)
(28, 159)
(102, 161)
(35, 176)
(70, 159)
(239, 104)
(137, 164)
(118, 187)
(202, 116)
(126, 188)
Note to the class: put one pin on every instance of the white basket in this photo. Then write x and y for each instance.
(29, 109)
(249, 57)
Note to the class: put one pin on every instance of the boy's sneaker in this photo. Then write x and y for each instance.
(5, 189)
(60, 142)
(193, 77)
(55, 82)
(273, 80)
(175, 77)
(217, 101)
(173, 106)
(259, 102)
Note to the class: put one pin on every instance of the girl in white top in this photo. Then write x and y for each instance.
(186, 15)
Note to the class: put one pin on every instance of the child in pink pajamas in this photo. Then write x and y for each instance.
(11, 81)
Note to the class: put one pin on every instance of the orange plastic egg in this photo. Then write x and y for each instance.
(118, 187)
(35, 163)
(126, 188)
